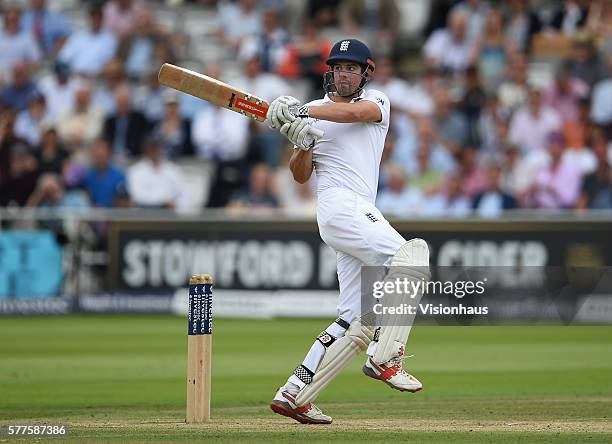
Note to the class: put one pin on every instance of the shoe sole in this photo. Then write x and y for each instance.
(281, 409)
(369, 372)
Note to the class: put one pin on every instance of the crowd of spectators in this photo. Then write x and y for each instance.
(509, 106)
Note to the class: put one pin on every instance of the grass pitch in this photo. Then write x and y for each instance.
(122, 379)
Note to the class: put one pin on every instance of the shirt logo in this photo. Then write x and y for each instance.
(344, 45)
(381, 101)
(371, 217)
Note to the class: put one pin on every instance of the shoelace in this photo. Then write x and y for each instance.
(398, 362)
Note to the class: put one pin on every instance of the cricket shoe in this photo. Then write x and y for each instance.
(284, 404)
(392, 372)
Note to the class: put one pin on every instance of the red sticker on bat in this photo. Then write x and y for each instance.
(250, 107)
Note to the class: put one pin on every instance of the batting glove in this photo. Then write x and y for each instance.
(279, 112)
(299, 132)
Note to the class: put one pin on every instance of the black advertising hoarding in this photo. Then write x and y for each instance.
(279, 254)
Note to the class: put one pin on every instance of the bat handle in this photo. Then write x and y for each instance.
(312, 137)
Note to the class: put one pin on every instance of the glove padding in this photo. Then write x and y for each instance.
(300, 133)
(279, 113)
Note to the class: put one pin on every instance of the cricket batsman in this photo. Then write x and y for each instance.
(347, 159)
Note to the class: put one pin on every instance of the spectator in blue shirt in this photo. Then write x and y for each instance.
(17, 94)
(87, 51)
(50, 29)
(104, 181)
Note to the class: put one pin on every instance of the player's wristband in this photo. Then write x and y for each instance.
(301, 111)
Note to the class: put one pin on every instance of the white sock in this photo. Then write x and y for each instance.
(372, 348)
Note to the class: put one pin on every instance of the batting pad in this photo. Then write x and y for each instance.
(410, 262)
(337, 357)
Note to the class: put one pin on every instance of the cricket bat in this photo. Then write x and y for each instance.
(220, 94)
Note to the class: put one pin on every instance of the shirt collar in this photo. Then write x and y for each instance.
(327, 99)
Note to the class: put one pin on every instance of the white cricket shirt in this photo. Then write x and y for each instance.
(348, 155)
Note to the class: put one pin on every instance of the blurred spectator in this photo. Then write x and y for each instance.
(17, 186)
(154, 182)
(476, 12)
(599, 21)
(126, 129)
(51, 193)
(306, 58)
(243, 12)
(428, 179)
(121, 16)
(269, 45)
(148, 97)
(16, 94)
(83, 124)
(450, 202)
(413, 99)
(112, 78)
(104, 180)
(603, 199)
(87, 51)
(532, 123)
(49, 28)
(474, 100)
(564, 94)
(450, 48)
(438, 159)
(16, 46)
(570, 16)
(323, 12)
(376, 20)
(266, 143)
(576, 130)
(29, 121)
(474, 176)
(492, 127)
(599, 179)
(296, 199)
(259, 195)
(521, 25)
(513, 91)
(172, 131)
(221, 135)
(51, 155)
(493, 51)
(493, 200)
(556, 186)
(397, 198)
(601, 109)
(7, 140)
(59, 90)
(451, 125)
(584, 62)
(138, 51)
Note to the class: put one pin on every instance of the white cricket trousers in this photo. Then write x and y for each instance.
(360, 235)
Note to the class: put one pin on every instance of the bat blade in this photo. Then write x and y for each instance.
(213, 91)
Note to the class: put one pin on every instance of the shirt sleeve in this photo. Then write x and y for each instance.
(382, 101)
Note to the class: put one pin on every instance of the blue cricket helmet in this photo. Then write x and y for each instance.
(352, 50)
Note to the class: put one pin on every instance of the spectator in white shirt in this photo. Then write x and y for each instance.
(398, 199)
(243, 12)
(83, 125)
(87, 51)
(450, 48)
(154, 182)
(16, 46)
(59, 90)
(29, 122)
(532, 123)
